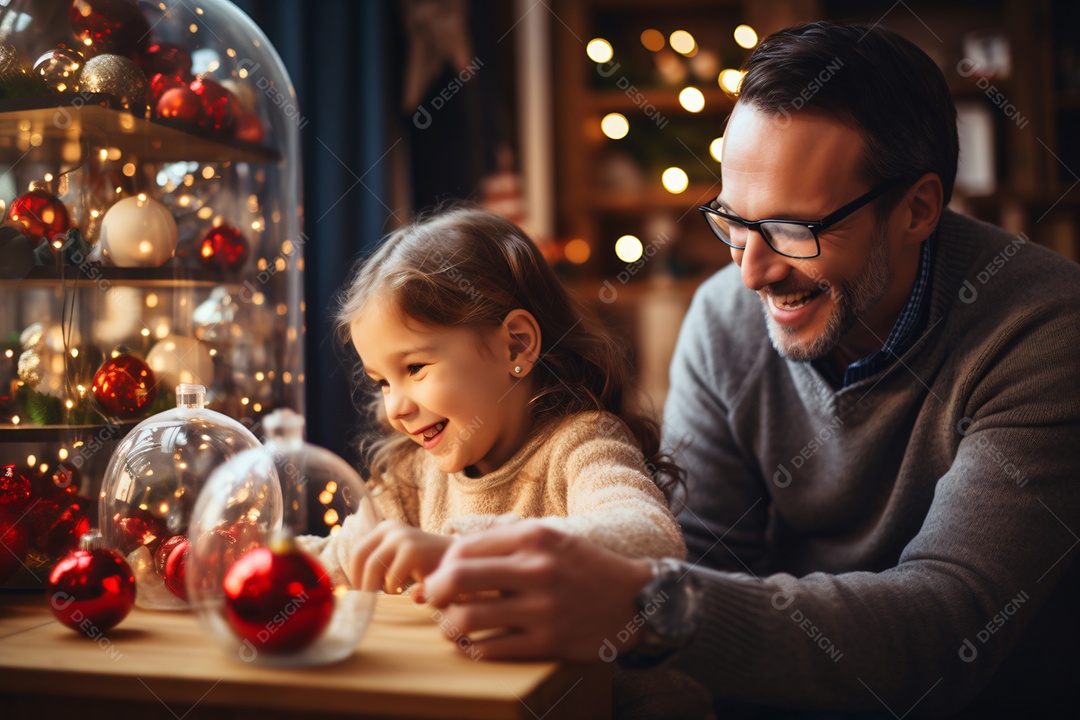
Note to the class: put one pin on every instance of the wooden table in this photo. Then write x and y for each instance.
(162, 665)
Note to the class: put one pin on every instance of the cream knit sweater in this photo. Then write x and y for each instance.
(582, 474)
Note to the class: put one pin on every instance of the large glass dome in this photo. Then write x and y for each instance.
(150, 191)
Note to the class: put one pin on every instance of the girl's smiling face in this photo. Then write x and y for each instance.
(450, 389)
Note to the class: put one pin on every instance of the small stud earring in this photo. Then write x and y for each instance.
(517, 369)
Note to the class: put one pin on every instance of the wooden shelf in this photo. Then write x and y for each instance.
(665, 100)
(27, 433)
(53, 126)
(652, 199)
(168, 276)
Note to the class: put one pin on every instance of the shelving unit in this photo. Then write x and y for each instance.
(237, 327)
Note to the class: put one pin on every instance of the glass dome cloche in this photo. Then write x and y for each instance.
(265, 571)
(150, 203)
(150, 489)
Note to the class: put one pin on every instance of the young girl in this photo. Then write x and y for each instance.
(497, 402)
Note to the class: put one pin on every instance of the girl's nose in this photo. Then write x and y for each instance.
(399, 405)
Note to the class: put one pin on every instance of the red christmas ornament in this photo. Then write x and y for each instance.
(220, 104)
(62, 482)
(249, 128)
(162, 83)
(161, 555)
(175, 566)
(14, 542)
(137, 528)
(110, 26)
(15, 489)
(124, 386)
(167, 59)
(39, 215)
(223, 248)
(60, 524)
(278, 600)
(91, 590)
(65, 480)
(181, 104)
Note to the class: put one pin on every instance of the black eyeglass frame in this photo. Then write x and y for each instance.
(814, 227)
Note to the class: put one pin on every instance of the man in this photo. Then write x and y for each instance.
(878, 415)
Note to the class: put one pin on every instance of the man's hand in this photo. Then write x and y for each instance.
(395, 555)
(558, 595)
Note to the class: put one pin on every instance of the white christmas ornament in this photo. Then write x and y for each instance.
(180, 359)
(138, 232)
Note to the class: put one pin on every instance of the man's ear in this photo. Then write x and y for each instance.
(922, 206)
(521, 333)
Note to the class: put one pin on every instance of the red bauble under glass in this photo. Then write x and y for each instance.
(162, 83)
(220, 104)
(161, 555)
(124, 386)
(167, 59)
(180, 103)
(15, 489)
(14, 542)
(110, 26)
(249, 128)
(223, 248)
(279, 602)
(39, 215)
(91, 590)
(139, 527)
(175, 567)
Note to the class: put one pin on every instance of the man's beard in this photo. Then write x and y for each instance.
(852, 300)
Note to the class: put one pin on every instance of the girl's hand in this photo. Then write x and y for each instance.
(395, 555)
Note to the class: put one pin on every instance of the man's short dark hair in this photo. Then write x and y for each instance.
(883, 85)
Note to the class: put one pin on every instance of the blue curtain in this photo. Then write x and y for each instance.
(336, 53)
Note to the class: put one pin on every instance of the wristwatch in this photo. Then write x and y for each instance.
(667, 616)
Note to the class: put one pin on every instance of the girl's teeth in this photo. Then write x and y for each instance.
(434, 430)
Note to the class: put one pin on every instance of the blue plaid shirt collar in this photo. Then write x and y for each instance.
(905, 332)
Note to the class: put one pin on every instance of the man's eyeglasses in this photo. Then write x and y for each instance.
(790, 238)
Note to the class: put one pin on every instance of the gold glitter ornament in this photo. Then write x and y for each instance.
(60, 68)
(33, 337)
(30, 368)
(119, 77)
(11, 63)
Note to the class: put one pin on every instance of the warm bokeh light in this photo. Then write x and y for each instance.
(615, 126)
(675, 180)
(599, 50)
(730, 79)
(628, 249)
(746, 36)
(692, 99)
(652, 39)
(716, 148)
(683, 42)
(577, 251)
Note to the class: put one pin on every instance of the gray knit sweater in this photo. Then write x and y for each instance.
(898, 544)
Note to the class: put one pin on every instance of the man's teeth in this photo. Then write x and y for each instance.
(434, 430)
(793, 301)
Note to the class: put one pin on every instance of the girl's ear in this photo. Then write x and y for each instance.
(522, 336)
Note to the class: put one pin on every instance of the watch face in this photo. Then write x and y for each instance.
(676, 597)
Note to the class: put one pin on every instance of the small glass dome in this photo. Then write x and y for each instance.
(151, 485)
(263, 575)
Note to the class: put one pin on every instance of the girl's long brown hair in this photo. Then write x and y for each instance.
(467, 267)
